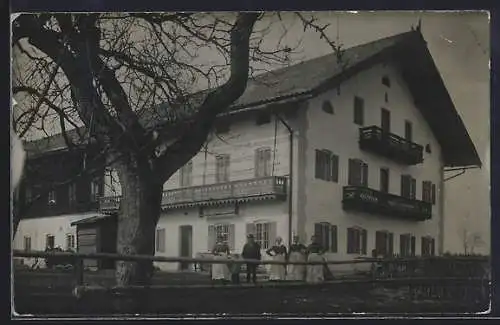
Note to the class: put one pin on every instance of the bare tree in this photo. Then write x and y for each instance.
(130, 82)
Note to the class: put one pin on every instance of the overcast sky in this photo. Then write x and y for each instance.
(459, 44)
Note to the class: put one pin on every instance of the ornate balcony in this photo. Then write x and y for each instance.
(363, 199)
(266, 188)
(392, 146)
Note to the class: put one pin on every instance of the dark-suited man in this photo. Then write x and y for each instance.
(251, 250)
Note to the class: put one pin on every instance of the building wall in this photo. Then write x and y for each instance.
(38, 228)
(339, 134)
(262, 212)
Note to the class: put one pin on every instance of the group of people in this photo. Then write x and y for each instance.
(297, 252)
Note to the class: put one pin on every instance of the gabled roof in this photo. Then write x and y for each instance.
(408, 50)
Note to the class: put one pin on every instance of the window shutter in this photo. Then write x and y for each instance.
(391, 243)
(334, 168)
(250, 229)
(350, 240)
(433, 193)
(424, 193)
(267, 161)
(272, 233)
(379, 240)
(423, 250)
(364, 168)
(433, 247)
(403, 244)
(211, 237)
(231, 237)
(325, 230)
(365, 241)
(413, 188)
(413, 246)
(257, 162)
(333, 246)
(318, 232)
(319, 164)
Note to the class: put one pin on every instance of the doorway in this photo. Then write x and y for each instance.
(186, 245)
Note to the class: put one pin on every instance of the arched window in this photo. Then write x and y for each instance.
(386, 81)
(327, 107)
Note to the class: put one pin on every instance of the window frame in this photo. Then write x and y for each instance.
(186, 175)
(386, 172)
(359, 111)
(358, 170)
(222, 165)
(359, 243)
(326, 165)
(263, 162)
(327, 235)
(160, 240)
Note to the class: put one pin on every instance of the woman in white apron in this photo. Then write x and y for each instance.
(315, 254)
(297, 253)
(220, 271)
(278, 253)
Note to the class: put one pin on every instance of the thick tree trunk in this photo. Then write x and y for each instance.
(139, 212)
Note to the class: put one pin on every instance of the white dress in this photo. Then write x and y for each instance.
(296, 272)
(315, 272)
(277, 271)
(220, 271)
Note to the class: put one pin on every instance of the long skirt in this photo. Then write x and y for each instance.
(296, 272)
(220, 271)
(315, 272)
(277, 271)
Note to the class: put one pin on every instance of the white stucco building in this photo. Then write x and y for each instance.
(351, 150)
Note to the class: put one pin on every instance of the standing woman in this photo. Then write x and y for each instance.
(220, 272)
(315, 254)
(296, 272)
(278, 253)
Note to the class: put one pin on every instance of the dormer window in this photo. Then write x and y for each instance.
(386, 81)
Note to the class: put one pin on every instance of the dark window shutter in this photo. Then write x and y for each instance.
(379, 242)
(413, 188)
(423, 246)
(391, 243)
(433, 247)
(327, 166)
(364, 168)
(318, 232)
(319, 164)
(433, 193)
(211, 237)
(364, 243)
(403, 185)
(403, 244)
(333, 247)
(257, 163)
(413, 244)
(325, 229)
(350, 240)
(334, 168)
(351, 171)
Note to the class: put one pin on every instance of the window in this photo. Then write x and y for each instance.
(385, 118)
(408, 131)
(326, 235)
(386, 97)
(356, 240)
(72, 194)
(358, 173)
(264, 232)
(27, 243)
(408, 187)
(70, 241)
(407, 245)
(359, 104)
(160, 240)
(384, 243)
(327, 107)
(428, 246)
(263, 118)
(50, 241)
(224, 230)
(327, 166)
(426, 191)
(52, 198)
(186, 174)
(95, 189)
(263, 162)
(222, 168)
(433, 193)
(384, 180)
(386, 81)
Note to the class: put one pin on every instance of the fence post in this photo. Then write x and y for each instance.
(79, 271)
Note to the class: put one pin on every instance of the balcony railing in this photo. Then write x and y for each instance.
(392, 146)
(367, 200)
(273, 187)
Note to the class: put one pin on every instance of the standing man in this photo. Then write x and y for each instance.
(251, 251)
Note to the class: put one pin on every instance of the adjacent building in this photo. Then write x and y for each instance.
(350, 148)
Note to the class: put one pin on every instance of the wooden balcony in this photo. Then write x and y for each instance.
(392, 146)
(266, 188)
(363, 199)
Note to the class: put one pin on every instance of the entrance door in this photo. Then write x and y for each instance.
(186, 244)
